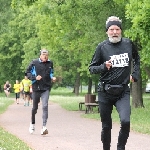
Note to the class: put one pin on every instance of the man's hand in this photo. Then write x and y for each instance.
(108, 64)
(131, 79)
(38, 77)
(53, 79)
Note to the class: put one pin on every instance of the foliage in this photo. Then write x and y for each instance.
(6, 41)
(138, 13)
(69, 29)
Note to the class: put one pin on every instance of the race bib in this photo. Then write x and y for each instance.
(121, 60)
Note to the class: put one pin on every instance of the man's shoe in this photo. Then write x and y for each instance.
(31, 128)
(44, 131)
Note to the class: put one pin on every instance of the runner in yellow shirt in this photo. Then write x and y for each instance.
(26, 83)
(17, 91)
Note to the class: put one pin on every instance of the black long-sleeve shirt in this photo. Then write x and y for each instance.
(121, 54)
(45, 70)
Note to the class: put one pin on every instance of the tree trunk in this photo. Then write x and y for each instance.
(77, 83)
(1, 89)
(137, 99)
(81, 87)
(73, 90)
(90, 86)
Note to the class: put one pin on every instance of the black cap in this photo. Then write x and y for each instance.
(114, 22)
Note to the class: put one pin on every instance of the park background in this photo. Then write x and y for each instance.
(71, 30)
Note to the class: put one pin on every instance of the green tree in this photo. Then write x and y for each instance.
(138, 13)
(9, 59)
(69, 29)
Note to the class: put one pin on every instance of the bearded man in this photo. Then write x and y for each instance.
(112, 60)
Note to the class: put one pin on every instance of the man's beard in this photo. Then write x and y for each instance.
(115, 39)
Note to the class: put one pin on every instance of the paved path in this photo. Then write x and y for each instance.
(67, 130)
